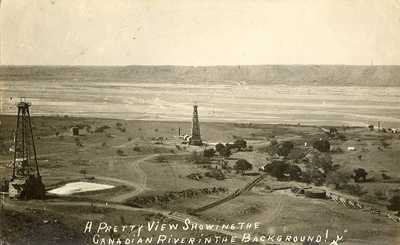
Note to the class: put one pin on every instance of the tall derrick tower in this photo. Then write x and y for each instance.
(196, 137)
(26, 182)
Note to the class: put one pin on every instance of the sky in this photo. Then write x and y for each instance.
(203, 32)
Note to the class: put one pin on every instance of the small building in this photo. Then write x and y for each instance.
(351, 148)
(75, 131)
(30, 187)
(315, 193)
(16, 187)
(299, 189)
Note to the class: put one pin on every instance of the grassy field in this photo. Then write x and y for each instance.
(126, 154)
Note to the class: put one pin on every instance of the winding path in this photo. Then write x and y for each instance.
(139, 187)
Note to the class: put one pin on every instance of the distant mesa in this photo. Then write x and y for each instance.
(315, 75)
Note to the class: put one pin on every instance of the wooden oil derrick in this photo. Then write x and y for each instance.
(196, 137)
(25, 182)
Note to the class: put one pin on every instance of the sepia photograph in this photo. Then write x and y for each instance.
(194, 122)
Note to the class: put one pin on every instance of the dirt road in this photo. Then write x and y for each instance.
(140, 186)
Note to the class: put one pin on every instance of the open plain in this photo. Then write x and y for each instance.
(157, 177)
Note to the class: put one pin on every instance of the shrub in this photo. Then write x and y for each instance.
(231, 146)
(354, 189)
(120, 152)
(130, 139)
(195, 176)
(242, 165)
(161, 159)
(240, 144)
(313, 175)
(223, 150)
(338, 178)
(385, 176)
(322, 145)
(136, 148)
(216, 174)
(274, 142)
(296, 154)
(394, 203)
(284, 148)
(358, 174)
(380, 195)
(282, 170)
(78, 142)
(101, 129)
(294, 172)
(279, 169)
(199, 158)
(342, 137)
(83, 172)
(322, 160)
(337, 150)
(219, 148)
(209, 152)
(81, 125)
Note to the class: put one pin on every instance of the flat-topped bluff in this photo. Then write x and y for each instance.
(319, 75)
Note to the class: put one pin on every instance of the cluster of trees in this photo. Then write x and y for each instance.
(209, 152)
(318, 163)
(226, 150)
(338, 178)
(282, 149)
(223, 150)
(322, 145)
(120, 127)
(101, 129)
(341, 178)
(242, 165)
(283, 170)
(286, 147)
(359, 175)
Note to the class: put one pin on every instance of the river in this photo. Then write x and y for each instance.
(217, 101)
